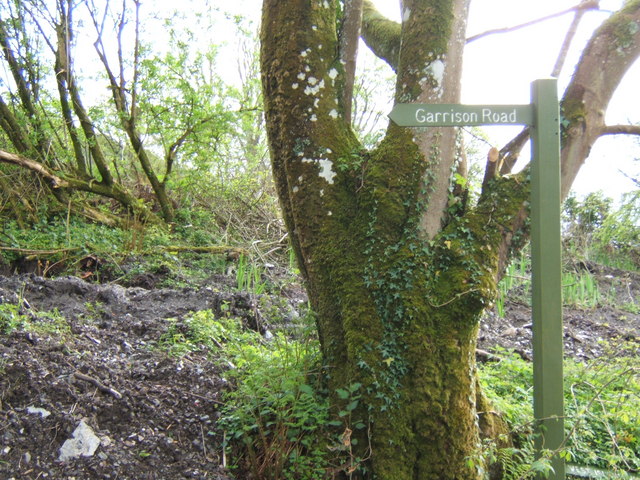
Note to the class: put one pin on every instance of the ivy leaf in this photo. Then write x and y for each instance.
(342, 394)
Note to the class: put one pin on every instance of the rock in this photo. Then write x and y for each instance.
(38, 411)
(510, 332)
(84, 442)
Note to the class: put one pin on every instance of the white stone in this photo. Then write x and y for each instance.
(84, 442)
(38, 411)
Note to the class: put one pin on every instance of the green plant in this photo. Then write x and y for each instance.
(276, 419)
(48, 323)
(202, 330)
(580, 290)
(10, 318)
(249, 277)
(515, 277)
(602, 404)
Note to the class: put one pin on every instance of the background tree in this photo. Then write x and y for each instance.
(127, 119)
(397, 269)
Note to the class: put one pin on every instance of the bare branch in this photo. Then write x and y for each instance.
(621, 130)
(573, 28)
(585, 5)
(136, 62)
(41, 170)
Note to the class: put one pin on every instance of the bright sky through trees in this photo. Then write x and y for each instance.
(500, 68)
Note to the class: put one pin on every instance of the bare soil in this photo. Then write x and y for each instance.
(155, 414)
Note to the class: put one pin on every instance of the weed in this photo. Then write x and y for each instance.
(10, 318)
(276, 419)
(47, 323)
(580, 290)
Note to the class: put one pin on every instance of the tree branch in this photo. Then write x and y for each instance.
(562, 56)
(585, 5)
(620, 130)
(349, 35)
(41, 170)
(380, 34)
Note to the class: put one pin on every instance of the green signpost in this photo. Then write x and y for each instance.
(543, 117)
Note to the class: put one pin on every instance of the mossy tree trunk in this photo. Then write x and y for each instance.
(398, 278)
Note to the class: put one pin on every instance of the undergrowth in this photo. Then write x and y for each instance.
(602, 405)
(276, 417)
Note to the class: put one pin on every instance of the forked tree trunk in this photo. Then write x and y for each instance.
(398, 282)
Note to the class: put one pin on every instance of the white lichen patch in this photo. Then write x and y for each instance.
(333, 73)
(294, 85)
(325, 4)
(306, 52)
(314, 88)
(295, 189)
(333, 113)
(302, 76)
(307, 68)
(326, 170)
(329, 213)
(314, 27)
(316, 102)
(312, 80)
(329, 151)
(313, 118)
(436, 70)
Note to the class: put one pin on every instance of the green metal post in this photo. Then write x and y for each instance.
(547, 271)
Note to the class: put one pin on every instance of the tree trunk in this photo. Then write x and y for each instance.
(397, 318)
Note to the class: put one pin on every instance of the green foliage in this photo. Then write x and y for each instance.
(10, 318)
(579, 289)
(203, 331)
(602, 404)
(249, 276)
(276, 419)
(515, 282)
(595, 230)
(46, 323)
